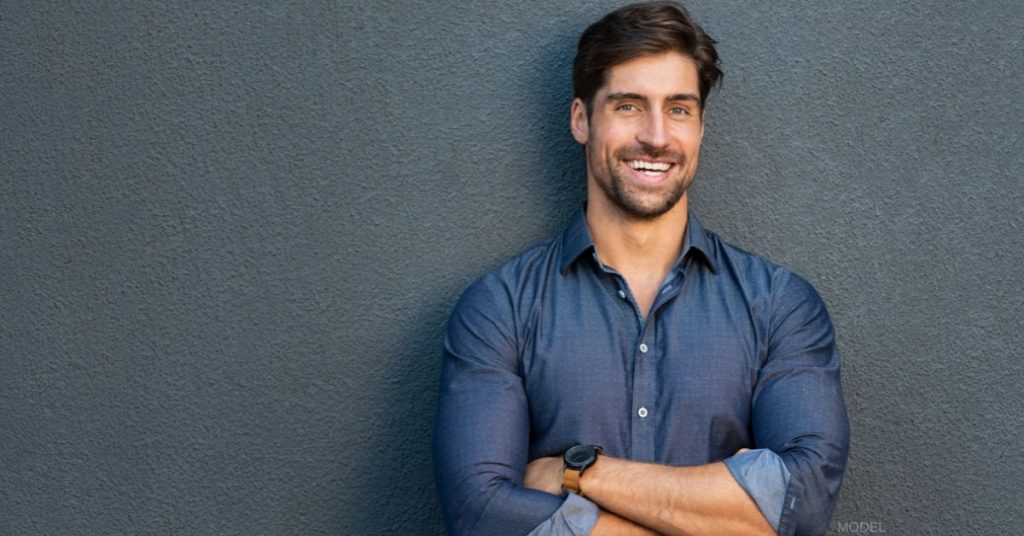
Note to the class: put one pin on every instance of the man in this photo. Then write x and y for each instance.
(637, 374)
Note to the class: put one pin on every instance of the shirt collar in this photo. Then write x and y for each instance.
(697, 240)
(576, 239)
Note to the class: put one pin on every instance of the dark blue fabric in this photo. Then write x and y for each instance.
(546, 352)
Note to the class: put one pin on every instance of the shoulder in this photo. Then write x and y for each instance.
(509, 287)
(761, 279)
(789, 313)
(488, 320)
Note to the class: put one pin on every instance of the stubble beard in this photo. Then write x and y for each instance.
(636, 200)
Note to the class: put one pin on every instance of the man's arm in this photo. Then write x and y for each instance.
(481, 431)
(797, 412)
(798, 409)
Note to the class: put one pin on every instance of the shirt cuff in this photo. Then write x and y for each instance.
(764, 476)
(576, 517)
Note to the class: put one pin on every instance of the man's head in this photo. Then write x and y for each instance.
(641, 76)
(637, 30)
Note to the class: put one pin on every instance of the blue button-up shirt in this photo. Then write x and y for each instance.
(550, 350)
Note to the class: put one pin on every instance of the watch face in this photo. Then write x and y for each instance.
(580, 455)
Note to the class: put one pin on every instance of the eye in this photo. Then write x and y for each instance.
(678, 110)
(626, 107)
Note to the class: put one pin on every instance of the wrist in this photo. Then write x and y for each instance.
(576, 462)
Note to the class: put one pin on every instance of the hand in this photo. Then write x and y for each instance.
(545, 474)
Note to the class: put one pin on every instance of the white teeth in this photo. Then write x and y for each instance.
(642, 165)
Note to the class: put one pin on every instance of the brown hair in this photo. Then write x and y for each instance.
(640, 30)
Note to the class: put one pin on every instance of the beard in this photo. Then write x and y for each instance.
(644, 201)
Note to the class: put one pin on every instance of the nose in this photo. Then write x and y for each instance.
(653, 131)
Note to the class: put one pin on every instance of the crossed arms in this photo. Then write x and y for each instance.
(656, 499)
(482, 434)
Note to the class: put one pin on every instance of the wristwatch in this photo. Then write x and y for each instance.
(577, 459)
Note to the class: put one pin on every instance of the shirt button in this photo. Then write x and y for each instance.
(622, 294)
(643, 348)
(642, 412)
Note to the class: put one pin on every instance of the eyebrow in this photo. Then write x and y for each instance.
(625, 96)
(639, 97)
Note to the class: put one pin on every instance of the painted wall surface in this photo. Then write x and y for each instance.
(231, 233)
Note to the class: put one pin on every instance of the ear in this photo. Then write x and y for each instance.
(579, 123)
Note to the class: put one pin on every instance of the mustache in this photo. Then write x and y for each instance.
(653, 153)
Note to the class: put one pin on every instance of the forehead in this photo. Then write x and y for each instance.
(669, 73)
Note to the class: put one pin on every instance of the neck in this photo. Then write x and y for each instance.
(636, 247)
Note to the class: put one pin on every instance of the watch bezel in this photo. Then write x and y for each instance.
(581, 456)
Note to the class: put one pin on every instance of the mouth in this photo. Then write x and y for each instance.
(649, 170)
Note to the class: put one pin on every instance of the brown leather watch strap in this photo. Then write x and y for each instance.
(571, 481)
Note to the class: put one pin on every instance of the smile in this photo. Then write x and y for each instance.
(651, 169)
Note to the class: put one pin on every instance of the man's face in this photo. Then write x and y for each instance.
(644, 133)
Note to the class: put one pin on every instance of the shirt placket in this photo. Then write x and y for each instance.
(645, 387)
(647, 351)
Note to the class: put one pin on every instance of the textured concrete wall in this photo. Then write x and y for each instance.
(230, 236)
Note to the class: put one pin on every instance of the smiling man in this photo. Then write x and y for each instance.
(637, 374)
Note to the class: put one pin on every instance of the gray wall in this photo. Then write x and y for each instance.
(230, 236)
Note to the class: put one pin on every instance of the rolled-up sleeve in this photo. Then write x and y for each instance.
(798, 409)
(764, 476)
(481, 430)
(576, 517)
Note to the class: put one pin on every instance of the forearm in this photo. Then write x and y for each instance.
(674, 500)
(609, 524)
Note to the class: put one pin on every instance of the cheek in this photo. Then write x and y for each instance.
(608, 133)
(689, 136)
(691, 148)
